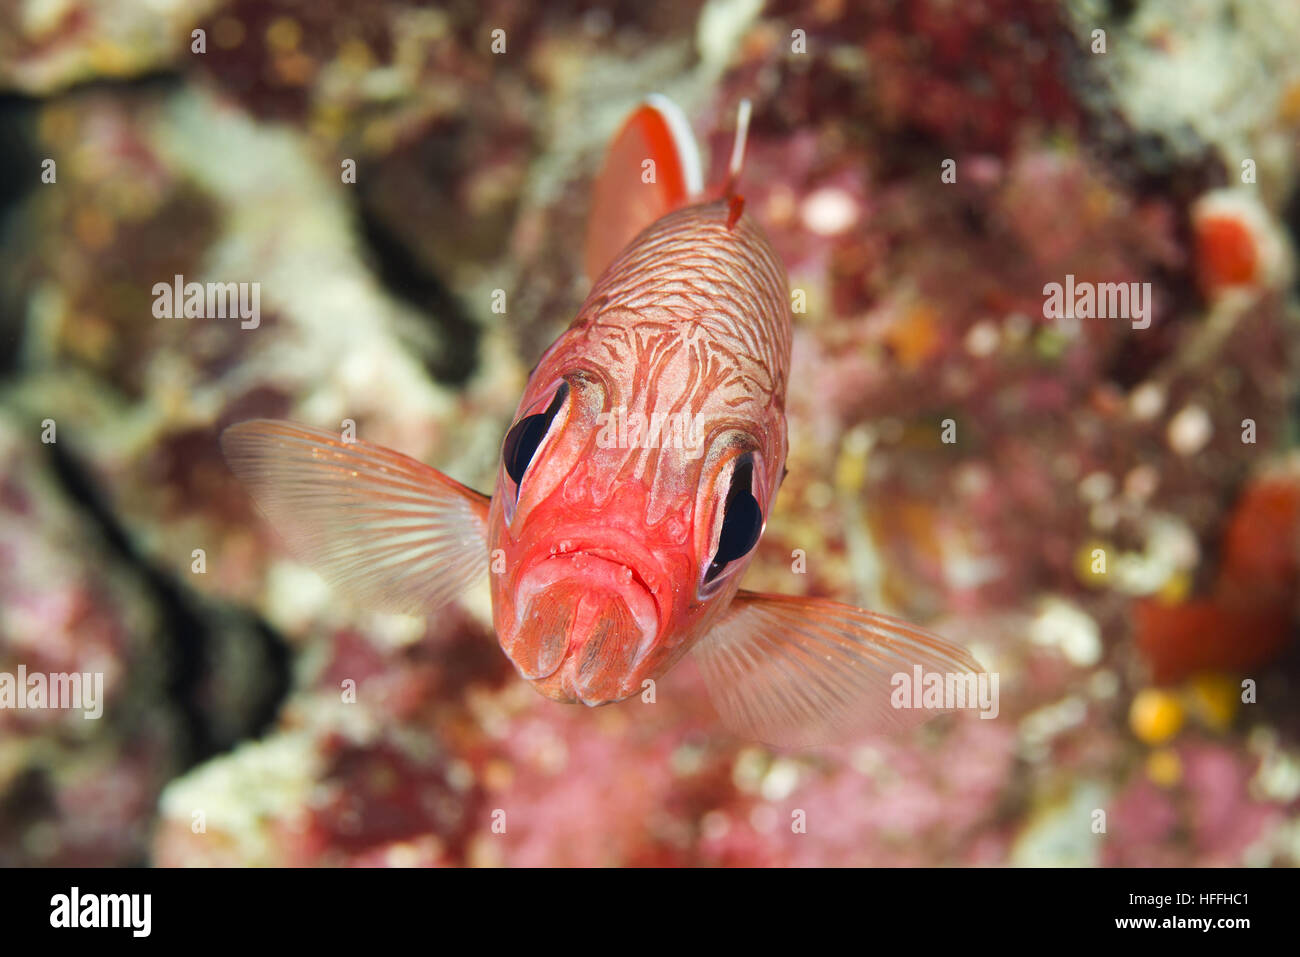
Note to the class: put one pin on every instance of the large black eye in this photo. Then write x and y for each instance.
(525, 436)
(742, 520)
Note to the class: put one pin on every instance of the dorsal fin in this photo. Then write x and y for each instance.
(738, 145)
(624, 203)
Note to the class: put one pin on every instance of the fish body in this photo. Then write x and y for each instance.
(645, 456)
(690, 325)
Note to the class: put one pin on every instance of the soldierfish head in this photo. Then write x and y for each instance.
(609, 560)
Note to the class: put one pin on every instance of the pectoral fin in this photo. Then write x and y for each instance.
(800, 672)
(390, 532)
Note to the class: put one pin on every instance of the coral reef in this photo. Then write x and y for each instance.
(1105, 509)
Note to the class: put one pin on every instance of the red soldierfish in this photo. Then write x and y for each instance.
(633, 485)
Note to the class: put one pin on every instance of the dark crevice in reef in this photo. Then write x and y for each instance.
(1291, 223)
(20, 170)
(185, 628)
(1122, 10)
(409, 280)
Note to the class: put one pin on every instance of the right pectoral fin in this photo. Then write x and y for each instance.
(390, 532)
(799, 672)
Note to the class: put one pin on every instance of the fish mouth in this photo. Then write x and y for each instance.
(617, 547)
(584, 620)
(608, 556)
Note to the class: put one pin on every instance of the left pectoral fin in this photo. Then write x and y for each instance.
(800, 672)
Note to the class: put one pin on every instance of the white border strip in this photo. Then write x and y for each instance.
(688, 151)
(742, 137)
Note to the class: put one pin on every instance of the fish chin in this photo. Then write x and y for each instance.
(583, 624)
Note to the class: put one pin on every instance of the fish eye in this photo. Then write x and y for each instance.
(742, 519)
(525, 436)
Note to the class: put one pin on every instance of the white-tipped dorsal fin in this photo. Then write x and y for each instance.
(651, 168)
(738, 145)
(683, 138)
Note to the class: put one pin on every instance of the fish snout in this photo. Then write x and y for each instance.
(582, 624)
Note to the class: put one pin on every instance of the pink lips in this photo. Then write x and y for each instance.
(595, 572)
(588, 616)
